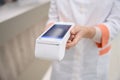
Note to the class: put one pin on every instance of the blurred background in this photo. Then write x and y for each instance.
(21, 22)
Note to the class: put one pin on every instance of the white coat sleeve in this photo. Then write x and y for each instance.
(111, 27)
(97, 37)
(53, 14)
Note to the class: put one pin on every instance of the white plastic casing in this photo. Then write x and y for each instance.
(52, 48)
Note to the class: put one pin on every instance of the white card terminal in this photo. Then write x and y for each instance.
(51, 43)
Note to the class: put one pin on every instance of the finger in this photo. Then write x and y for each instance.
(69, 41)
(75, 40)
(71, 37)
(67, 46)
(48, 25)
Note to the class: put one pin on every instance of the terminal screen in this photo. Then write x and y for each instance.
(57, 31)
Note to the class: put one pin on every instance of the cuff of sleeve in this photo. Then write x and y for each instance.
(104, 36)
(98, 35)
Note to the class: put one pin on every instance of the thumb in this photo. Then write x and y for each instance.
(75, 30)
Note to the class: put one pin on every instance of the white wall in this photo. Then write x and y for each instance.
(115, 60)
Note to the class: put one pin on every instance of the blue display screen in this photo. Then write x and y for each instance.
(57, 31)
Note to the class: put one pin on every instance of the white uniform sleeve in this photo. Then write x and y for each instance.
(97, 37)
(113, 21)
(111, 27)
(53, 14)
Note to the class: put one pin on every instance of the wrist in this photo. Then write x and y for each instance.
(91, 31)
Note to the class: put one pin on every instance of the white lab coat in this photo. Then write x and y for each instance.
(88, 60)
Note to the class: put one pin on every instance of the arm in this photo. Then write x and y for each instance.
(108, 29)
(111, 27)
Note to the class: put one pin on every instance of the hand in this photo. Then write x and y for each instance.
(48, 25)
(79, 32)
